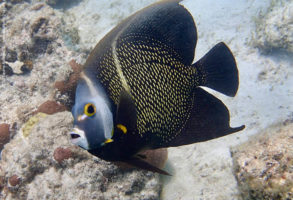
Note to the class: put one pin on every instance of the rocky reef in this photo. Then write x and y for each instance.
(264, 166)
(37, 79)
(274, 30)
(33, 57)
(43, 164)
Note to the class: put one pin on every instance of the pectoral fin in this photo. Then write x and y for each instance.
(126, 118)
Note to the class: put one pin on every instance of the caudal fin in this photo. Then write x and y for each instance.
(218, 70)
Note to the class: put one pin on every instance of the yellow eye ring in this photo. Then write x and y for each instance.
(89, 109)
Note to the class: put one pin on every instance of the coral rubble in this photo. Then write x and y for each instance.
(264, 166)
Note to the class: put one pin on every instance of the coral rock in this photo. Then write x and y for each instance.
(51, 107)
(61, 3)
(39, 26)
(31, 28)
(27, 67)
(2, 182)
(274, 29)
(23, 56)
(77, 68)
(38, 6)
(61, 154)
(15, 1)
(6, 69)
(264, 165)
(70, 84)
(81, 177)
(11, 56)
(4, 134)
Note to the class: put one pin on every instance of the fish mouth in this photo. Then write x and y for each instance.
(78, 138)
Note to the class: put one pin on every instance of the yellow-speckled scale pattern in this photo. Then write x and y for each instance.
(160, 84)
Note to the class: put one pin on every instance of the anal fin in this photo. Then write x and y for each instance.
(209, 119)
(139, 163)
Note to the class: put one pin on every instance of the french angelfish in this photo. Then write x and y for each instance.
(140, 89)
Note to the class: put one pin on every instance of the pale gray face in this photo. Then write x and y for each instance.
(93, 119)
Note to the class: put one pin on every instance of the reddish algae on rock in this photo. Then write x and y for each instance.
(4, 134)
(51, 107)
(14, 180)
(61, 154)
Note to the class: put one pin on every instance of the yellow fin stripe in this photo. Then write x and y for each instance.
(108, 141)
(122, 128)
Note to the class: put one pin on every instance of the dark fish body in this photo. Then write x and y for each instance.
(146, 63)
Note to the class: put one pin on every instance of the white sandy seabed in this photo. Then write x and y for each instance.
(204, 170)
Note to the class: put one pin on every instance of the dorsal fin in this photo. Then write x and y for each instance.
(168, 22)
(165, 21)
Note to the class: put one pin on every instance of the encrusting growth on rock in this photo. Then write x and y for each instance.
(28, 126)
(70, 84)
(14, 180)
(50, 107)
(4, 134)
(61, 154)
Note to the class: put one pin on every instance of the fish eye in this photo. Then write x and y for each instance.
(89, 109)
